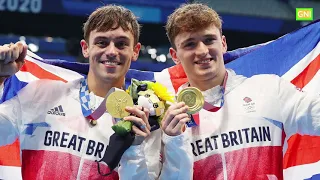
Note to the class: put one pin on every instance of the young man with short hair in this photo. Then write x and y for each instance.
(64, 144)
(241, 131)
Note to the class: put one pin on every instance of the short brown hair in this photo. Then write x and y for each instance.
(190, 18)
(112, 17)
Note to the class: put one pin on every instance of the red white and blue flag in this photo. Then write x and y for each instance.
(295, 57)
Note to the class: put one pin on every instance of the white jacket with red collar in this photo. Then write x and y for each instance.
(246, 138)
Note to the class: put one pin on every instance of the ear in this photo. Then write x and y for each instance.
(174, 57)
(224, 44)
(85, 48)
(136, 50)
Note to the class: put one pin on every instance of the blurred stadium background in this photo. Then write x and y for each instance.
(53, 28)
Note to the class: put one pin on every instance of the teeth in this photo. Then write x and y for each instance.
(110, 63)
(204, 61)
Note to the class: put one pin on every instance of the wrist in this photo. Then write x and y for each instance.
(177, 140)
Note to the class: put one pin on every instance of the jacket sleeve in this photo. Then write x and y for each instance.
(10, 112)
(142, 162)
(13, 112)
(1, 90)
(178, 158)
(300, 110)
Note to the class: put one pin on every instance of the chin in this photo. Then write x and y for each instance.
(107, 77)
(207, 72)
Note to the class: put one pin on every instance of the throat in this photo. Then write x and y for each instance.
(101, 87)
(204, 85)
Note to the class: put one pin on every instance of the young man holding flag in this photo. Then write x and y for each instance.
(241, 132)
(52, 118)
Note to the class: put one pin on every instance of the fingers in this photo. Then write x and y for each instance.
(140, 120)
(173, 111)
(177, 125)
(8, 56)
(138, 131)
(145, 110)
(12, 52)
(140, 112)
(12, 58)
(143, 129)
(23, 48)
(15, 51)
(147, 113)
(181, 124)
(4, 51)
(136, 111)
(175, 119)
(19, 64)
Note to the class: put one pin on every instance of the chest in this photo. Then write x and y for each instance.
(244, 121)
(60, 126)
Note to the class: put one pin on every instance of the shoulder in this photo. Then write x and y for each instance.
(45, 85)
(263, 84)
(265, 77)
(264, 80)
(48, 90)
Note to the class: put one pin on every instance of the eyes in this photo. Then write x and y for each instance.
(102, 44)
(120, 44)
(209, 41)
(189, 44)
(193, 43)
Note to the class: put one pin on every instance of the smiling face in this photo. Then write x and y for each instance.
(111, 36)
(200, 53)
(110, 53)
(195, 33)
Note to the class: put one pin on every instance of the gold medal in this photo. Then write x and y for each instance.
(193, 98)
(117, 102)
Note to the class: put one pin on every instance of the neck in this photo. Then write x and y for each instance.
(209, 83)
(101, 87)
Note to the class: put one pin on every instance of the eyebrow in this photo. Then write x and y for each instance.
(117, 38)
(123, 37)
(205, 36)
(186, 41)
(210, 35)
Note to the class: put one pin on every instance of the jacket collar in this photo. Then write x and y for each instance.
(214, 94)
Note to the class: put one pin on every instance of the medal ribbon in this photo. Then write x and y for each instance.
(195, 120)
(84, 96)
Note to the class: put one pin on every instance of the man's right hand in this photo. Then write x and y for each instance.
(175, 119)
(12, 58)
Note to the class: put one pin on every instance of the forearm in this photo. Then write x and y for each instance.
(10, 112)
(8, 133)
(133, 164)
(142, 161)
(178, 158)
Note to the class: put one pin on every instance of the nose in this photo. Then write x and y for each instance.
(111, 51)
(201, 50)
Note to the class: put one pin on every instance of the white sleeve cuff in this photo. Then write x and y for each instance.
(179, 140)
